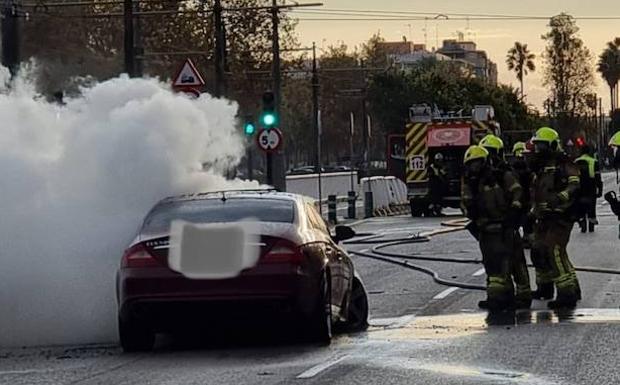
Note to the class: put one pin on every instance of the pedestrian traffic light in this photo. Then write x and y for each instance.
(249, 128)
(269, 117)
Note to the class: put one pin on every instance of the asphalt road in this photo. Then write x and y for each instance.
(421, 332)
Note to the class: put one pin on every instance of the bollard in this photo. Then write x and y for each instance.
(332, 214)
(368, 206)
(352, 199)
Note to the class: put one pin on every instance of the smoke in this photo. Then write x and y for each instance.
(77, 179)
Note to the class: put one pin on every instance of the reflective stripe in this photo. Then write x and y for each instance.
(516, 204)
(514, 187)
(573, 179)
(590, 161)
(564, 195)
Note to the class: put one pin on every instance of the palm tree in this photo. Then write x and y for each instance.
(609, 67)
(521, 61)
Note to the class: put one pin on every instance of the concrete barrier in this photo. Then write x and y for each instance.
(337, 183)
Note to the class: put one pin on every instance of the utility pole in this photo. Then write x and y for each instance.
(10, 36)
(130, 54)
(138, 46)
(364, 123)
(276, 160)
(315, 121)
(220, 48)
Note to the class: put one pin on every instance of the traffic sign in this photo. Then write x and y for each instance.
(269, 140)
(188, 76)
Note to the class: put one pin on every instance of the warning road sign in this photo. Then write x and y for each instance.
(269, 140)
(188, 76)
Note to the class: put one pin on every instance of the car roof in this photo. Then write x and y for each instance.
(236, 194)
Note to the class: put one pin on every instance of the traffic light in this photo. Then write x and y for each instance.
(249, 128)
(269, 117)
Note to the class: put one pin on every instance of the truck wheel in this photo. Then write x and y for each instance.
(416, 209)
(134, 337)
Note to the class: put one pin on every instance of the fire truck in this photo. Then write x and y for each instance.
(428, 133)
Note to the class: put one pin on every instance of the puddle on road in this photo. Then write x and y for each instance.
(467, 324)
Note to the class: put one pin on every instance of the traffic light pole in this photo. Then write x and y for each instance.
(10, 36)
(275, 161)
(316, 124)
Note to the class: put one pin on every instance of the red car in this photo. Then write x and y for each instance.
(301, 272)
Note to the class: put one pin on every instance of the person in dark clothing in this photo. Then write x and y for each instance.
(437, 182)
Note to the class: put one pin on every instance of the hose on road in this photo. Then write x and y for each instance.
(380, 244)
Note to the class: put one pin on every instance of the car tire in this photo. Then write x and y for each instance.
(357, 310)
(322, 318)
(134, 337)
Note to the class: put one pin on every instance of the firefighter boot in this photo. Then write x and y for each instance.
(543, 291)
(566, 301)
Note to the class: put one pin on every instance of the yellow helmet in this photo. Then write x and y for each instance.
(615, 140)
(547, 135)
(518, 148)
(492, 142)
(475, 152)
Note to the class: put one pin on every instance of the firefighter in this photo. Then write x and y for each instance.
(484, 200)
(518, 268)
(495, 146)
(591, 189)
(524, 174)
(437, 182)
(555, 183)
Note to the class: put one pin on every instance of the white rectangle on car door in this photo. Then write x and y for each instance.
(212, 251)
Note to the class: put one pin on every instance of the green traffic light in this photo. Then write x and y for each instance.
(249, 129)
(269, 119)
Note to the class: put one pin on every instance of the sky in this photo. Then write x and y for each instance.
(495, 36)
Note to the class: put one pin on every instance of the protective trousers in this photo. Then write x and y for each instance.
(518, 270)
(551, 239)
(497, 256)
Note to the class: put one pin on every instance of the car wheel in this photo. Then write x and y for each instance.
(321, 321)
(134, 337)
(357, 315)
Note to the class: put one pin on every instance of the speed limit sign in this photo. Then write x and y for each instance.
(269, 140)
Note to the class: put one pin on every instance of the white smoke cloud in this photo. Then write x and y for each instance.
(77, 179)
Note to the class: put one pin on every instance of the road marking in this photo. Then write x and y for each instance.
(313, 371)
(365, 251)
(446, 293)
(479, 272)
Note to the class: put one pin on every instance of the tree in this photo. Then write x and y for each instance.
(521, 61)
(568, 72)
(609, 68)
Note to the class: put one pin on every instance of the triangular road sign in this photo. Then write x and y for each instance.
(188, 76)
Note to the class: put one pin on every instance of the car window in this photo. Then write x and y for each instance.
(217, 210)
(315, 220)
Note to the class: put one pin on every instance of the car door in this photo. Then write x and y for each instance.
(334, 257)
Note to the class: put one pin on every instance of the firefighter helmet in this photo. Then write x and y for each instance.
(475, 152)
(492, 142)
(518, 148)
(615, 140)
(547, 135)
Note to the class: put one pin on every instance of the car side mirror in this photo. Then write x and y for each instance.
(343, 233)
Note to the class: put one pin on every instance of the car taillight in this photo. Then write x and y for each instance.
(283, 252)
(138, 256)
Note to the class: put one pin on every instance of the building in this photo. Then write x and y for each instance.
(467, 51)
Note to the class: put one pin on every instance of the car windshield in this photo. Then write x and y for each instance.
(217, 210)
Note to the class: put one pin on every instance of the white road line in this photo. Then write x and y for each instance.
(313, 371)
(446, 293)
(479, 272)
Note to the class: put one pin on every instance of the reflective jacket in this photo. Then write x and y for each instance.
(591, 180)
(554, 188)
(488, 200)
